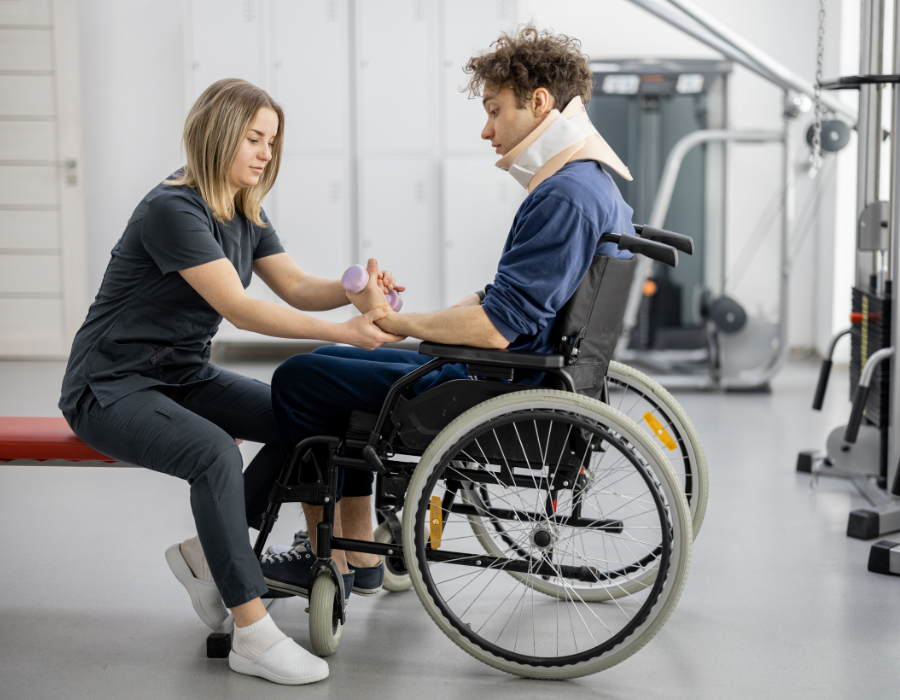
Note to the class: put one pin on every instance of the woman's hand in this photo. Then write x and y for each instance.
(362, 332)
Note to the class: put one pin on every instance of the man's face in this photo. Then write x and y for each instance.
(507, 124)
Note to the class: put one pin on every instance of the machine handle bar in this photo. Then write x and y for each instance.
(825, 371)
(852, 82)
(862, 394)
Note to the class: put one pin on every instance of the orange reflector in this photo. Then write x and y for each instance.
(649, 288)
(435, 514)
(659, 431)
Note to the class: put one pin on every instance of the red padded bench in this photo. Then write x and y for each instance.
(46, 442)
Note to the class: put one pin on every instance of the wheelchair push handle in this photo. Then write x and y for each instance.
(655, 251)
(677, 240)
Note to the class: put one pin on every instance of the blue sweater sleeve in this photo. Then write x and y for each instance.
(549, 252)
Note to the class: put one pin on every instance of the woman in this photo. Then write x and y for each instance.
(139, 386)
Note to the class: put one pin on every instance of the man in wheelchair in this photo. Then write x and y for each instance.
(533, 86)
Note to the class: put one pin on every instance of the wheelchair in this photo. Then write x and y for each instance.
(544, 531)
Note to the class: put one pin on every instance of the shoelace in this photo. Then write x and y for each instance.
(284, 557)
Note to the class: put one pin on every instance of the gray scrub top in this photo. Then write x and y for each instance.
(147, 326)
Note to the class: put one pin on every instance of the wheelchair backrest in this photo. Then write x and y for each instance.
(589, 325)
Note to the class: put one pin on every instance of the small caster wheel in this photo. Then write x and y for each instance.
(325, 626)
(396, 575)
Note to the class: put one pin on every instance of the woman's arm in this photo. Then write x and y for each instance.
(218, 283)
(304, 291)
(297, 287)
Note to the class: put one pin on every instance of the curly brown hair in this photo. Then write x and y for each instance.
(532, 59)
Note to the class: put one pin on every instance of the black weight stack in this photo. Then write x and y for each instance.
(871, 332)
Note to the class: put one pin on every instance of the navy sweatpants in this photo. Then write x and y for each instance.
(314, 394)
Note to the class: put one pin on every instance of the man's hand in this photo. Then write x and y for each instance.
(387, 282)
(373, 294)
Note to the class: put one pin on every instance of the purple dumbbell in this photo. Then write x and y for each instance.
(355, 280)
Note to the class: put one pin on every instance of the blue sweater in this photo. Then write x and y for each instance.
(553, 240)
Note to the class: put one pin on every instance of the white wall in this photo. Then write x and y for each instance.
(133, 87)
(134, 102)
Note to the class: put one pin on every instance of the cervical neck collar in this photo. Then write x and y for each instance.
(561, 138)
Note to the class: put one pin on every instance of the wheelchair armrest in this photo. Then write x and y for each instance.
(486, 356)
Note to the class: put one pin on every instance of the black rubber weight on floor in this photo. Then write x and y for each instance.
(880, 557)
(805, 462)
(218, 645)
(863, 525)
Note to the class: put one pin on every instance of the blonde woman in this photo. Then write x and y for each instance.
(139, 386)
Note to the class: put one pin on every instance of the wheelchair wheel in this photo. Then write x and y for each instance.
(651, 406)
(396, 575)
(325, 627)
(615, 556)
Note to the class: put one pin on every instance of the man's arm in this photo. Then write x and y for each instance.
(458, 325)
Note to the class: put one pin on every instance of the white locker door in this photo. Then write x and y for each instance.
(396, 76)
(463, 38)
(310, 81)
(397, 226)
(228, 39)
(43, 293)
(225, 39)
(314, 215)
(480, 202)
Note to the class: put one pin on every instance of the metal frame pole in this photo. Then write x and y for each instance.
(894, 228)
(871, 47)
(691, 19)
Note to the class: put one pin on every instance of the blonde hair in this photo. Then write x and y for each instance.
(213, 132)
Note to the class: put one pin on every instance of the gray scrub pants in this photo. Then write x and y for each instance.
(189, 432)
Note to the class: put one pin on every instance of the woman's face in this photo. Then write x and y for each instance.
(255, 151)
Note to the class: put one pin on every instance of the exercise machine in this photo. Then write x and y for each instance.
(866, 450)
(740, 352)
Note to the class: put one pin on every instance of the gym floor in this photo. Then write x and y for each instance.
(778, 603)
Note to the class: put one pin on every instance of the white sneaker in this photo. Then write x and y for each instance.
(286, 662)
(204, 595)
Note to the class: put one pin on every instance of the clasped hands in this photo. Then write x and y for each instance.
(373, 295)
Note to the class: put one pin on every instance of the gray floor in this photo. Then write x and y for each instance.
(778, 605)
